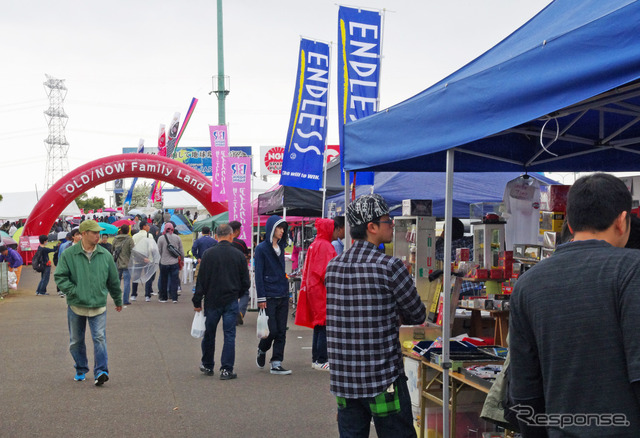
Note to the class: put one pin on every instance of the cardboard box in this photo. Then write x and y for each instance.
(551, 221)
(462, 254)
(482, 274)
(526, 251)
(554, 197)
(417, 207)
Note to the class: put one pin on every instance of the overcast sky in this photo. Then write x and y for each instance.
(130, 64)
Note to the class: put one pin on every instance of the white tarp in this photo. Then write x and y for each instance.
(18, 205)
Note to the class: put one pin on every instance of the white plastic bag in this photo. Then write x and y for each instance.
(263, 325)
(13, 280)
(198, 327)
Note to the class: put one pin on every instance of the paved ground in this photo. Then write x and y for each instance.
(155, 388)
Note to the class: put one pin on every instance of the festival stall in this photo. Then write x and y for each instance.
(559, 94)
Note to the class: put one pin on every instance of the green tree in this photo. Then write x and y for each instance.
(86, 203)
(141, 195)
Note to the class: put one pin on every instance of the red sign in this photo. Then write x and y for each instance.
(332, 151)
(273, 160)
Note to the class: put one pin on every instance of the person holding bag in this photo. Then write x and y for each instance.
(224, 276)
(171, 251)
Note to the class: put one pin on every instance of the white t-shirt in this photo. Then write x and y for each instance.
(522, 211)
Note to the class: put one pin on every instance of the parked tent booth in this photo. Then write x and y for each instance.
(560, 94)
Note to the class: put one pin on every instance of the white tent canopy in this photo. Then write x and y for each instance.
(18, 205)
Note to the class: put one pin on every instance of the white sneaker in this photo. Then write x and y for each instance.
(147, 299)
(162, 301)
(133, 298)
(314, 365)
(322, 366)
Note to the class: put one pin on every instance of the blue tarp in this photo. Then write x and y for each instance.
(468, 188)
(576, 63)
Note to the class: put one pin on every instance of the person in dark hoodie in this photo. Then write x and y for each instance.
(272, 288)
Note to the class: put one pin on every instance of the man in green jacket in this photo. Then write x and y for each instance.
(86, 273)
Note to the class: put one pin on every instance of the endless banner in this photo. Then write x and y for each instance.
(219, 155)
(302, 162)
(156, 192)
(359, 38)
(239, 190)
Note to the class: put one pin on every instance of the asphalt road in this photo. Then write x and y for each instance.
(155, 388)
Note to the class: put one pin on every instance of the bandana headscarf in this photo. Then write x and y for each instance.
(365, 209)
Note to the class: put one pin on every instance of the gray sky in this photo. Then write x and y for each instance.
(130, 64)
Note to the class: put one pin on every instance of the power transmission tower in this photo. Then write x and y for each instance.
(56, 143)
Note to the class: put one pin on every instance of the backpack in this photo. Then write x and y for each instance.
(116, 253)
(38, 262)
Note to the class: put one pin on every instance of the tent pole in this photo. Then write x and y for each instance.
(347, 228)
(446, 301)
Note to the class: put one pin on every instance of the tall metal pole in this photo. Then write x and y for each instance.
(221, 85)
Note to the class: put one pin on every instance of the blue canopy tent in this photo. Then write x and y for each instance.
(562, 93)
(468, 188)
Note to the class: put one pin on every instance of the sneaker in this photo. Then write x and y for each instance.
(207, 371)
(227, 375)
(314, 365)
(101, 378)
(175, 301)
(147, 299)
(261, 358)
(280, 370)
(162, 301)
(322, 366)
(79, 377)
(133, 297)
(126, 304)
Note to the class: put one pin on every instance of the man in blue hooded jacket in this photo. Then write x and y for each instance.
(272, 288)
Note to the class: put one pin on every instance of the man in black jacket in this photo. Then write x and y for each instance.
(224, 276)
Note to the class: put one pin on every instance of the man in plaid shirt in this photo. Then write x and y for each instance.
(369, 294)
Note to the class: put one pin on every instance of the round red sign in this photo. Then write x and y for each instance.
(273, 160)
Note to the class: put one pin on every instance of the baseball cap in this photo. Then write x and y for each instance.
(90, 225)
(365, 209)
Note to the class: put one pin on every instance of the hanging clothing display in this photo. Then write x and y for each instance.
(521, 211)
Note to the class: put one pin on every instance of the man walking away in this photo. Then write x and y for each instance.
(169, 264)
(369, 294)
(86, 273)
(224, 277)
(563, 309)
(272, 287)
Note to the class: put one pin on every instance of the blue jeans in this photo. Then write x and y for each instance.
(278, 313)
(44, 280)
(77, 346)
(355, 418)
(243, 302)
(228, 314)
(319, 344)
(126, 290)
(168, 281)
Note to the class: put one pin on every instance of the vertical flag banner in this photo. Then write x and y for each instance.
(185, 122)
(219, 155)
(239, 194)
(135, 180)
(359, 42)
(302, 162)
(173, 134)
(156, 189)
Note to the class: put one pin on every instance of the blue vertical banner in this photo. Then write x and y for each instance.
(359, 42)
(302, 162)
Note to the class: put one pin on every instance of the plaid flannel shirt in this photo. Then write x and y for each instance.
(368, 294)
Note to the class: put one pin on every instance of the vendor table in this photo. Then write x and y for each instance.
(501, 329)
(431, 389)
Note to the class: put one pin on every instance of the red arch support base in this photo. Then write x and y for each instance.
(85, 177)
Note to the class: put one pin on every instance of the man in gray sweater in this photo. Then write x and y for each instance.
(574, 344)
(171, 251)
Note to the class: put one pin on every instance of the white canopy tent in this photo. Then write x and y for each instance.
(18, 205)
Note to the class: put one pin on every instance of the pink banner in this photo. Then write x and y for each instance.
(219, 154)
(239, 190)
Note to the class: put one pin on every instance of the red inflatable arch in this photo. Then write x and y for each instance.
(85, 177)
